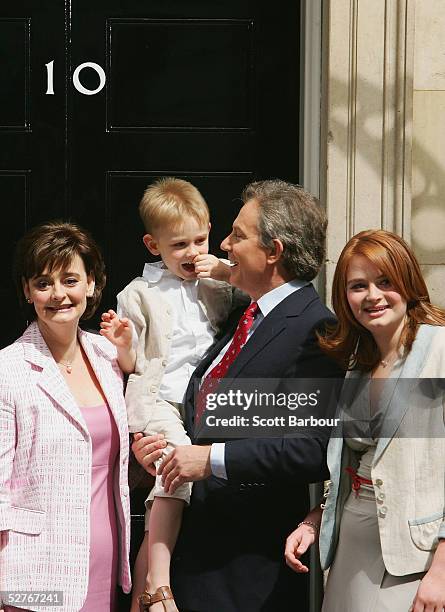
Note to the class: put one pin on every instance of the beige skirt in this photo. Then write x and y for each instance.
(358, 581)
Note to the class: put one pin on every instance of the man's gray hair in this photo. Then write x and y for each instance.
(295, 217)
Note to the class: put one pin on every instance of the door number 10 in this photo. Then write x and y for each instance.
(76, 80)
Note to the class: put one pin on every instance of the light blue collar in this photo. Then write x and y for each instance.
(269, 300)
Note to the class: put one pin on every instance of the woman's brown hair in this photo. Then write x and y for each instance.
(52, 246)
(349, 342)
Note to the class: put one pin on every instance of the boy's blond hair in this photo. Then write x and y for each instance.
(168, 200)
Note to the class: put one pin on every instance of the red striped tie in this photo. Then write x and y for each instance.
(211, 381)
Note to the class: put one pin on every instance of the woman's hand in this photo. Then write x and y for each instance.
(209, 266)
(297, 544)
(430, 596)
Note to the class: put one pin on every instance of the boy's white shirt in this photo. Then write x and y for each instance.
(192, 332)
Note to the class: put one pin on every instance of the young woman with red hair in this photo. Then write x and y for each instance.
(382, 530)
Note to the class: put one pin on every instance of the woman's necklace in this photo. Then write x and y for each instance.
(68, 365)
(391, 357)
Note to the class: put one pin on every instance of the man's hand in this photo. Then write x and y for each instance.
(185, 464)
(147, 450)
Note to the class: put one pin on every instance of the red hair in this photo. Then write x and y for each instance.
(349, 342)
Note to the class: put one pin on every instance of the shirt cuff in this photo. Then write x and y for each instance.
(217, 460)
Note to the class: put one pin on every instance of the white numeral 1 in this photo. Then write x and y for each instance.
(50, 78)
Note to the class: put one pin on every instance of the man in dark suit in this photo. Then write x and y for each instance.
(250, 493)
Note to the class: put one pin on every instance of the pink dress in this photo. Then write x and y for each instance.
(102, 582)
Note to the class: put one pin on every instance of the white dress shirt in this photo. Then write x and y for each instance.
(266, 303)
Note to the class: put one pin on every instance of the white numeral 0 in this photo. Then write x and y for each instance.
(78, 85)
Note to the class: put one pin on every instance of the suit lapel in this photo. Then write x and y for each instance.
(49, 378)
(267, 330)
(274, 324)
(51, 381)
(396, 397)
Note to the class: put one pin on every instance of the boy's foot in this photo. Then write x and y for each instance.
(159, 601)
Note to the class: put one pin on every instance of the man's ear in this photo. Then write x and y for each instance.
(151, 244)
(275, 251)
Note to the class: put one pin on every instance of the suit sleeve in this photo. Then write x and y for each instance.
(129, 305)
(287, 460)
(290, 459)
(7, 447)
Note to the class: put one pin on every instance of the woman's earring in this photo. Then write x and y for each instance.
(29, 300)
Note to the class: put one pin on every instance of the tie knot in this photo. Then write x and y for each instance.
(251, 310)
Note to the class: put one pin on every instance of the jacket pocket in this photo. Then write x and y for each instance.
(25, 520)
(424, 531)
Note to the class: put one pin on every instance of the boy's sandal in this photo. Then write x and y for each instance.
(163, 593)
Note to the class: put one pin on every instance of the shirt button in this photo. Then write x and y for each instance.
(164, 362)
(379, 482)
(168, 336)
(383, 510)
(381, 496)
(153, 389)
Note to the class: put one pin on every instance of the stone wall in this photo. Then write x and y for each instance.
(428, 153)
(383, 133)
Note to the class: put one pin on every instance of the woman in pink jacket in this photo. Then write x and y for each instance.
(64, 505)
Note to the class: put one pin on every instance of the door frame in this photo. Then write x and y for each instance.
(312, 99)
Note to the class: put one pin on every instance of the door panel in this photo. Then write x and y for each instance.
(192, 74)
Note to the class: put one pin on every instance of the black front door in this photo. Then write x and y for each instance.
(204, 90)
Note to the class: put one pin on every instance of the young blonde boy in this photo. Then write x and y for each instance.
(176, 307)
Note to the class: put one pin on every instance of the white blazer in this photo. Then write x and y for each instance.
(408, 470)
(45, 471)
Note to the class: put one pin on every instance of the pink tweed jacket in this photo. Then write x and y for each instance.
(45, 471)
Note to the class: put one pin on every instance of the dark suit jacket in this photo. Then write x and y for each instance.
(230, 552)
